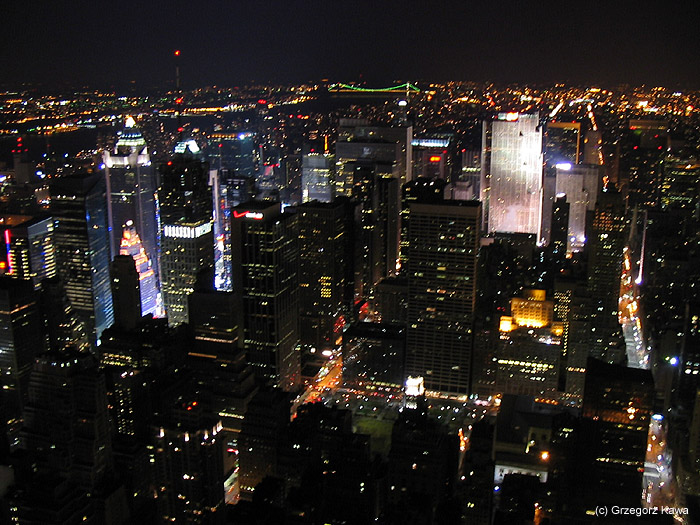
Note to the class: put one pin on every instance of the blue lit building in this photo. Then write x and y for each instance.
(78, 204)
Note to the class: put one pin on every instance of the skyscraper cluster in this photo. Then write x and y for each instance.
(404, 309)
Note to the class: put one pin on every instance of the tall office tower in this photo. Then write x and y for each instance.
(680, 185)
(189, 467)
(316, 177)
(265, 259)
(432, 157)
(581, 184)
(82, 248)
(132, 246)
(187, 239)
(29, 252)
(357, 141)
(617, 408)
(67, 429)
(443, 241)
(131, 187)
(511, 173)
(561, 213)
(233, 151)
(21, 340)
(126, 293)
(427, 191)
(218, 362)
(63, 325)
(228, 190)
(562, 143)
(377, 240)
(325, 271)
(609, 235)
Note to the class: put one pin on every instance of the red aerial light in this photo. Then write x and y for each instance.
(177, 52)
(262, 101)
(180, 130)
(170, 163)
(435, 158)
(178, 100)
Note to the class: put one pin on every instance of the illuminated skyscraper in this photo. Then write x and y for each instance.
(443, 241)
(511, 173)
(29, 252)
(265, 263)
(82, 248)
(131, 189)
(187, 240)
(131, 245)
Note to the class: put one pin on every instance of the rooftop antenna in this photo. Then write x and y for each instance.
(179, 99)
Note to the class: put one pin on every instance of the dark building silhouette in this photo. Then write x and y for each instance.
(126, 292)
(443, 241)
(265, 261)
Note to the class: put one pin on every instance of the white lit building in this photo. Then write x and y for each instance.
(511, 173)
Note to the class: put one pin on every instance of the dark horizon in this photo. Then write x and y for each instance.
(274, 41)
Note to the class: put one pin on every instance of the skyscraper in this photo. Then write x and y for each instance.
(21, 340)
(131, 187)
(357, 141)
(126, 295)
(66, 418)
(609, 234)
(187, 239)
(325, 270)
(316, 177)
(30, 253)
(189, 467)
(443, 241)
(581, 185)
(265, 262)
(680, 185)
(617, 408)
(511, 173)
(82, 248)
(562, 143)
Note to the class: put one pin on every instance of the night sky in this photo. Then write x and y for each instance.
(233, 42)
